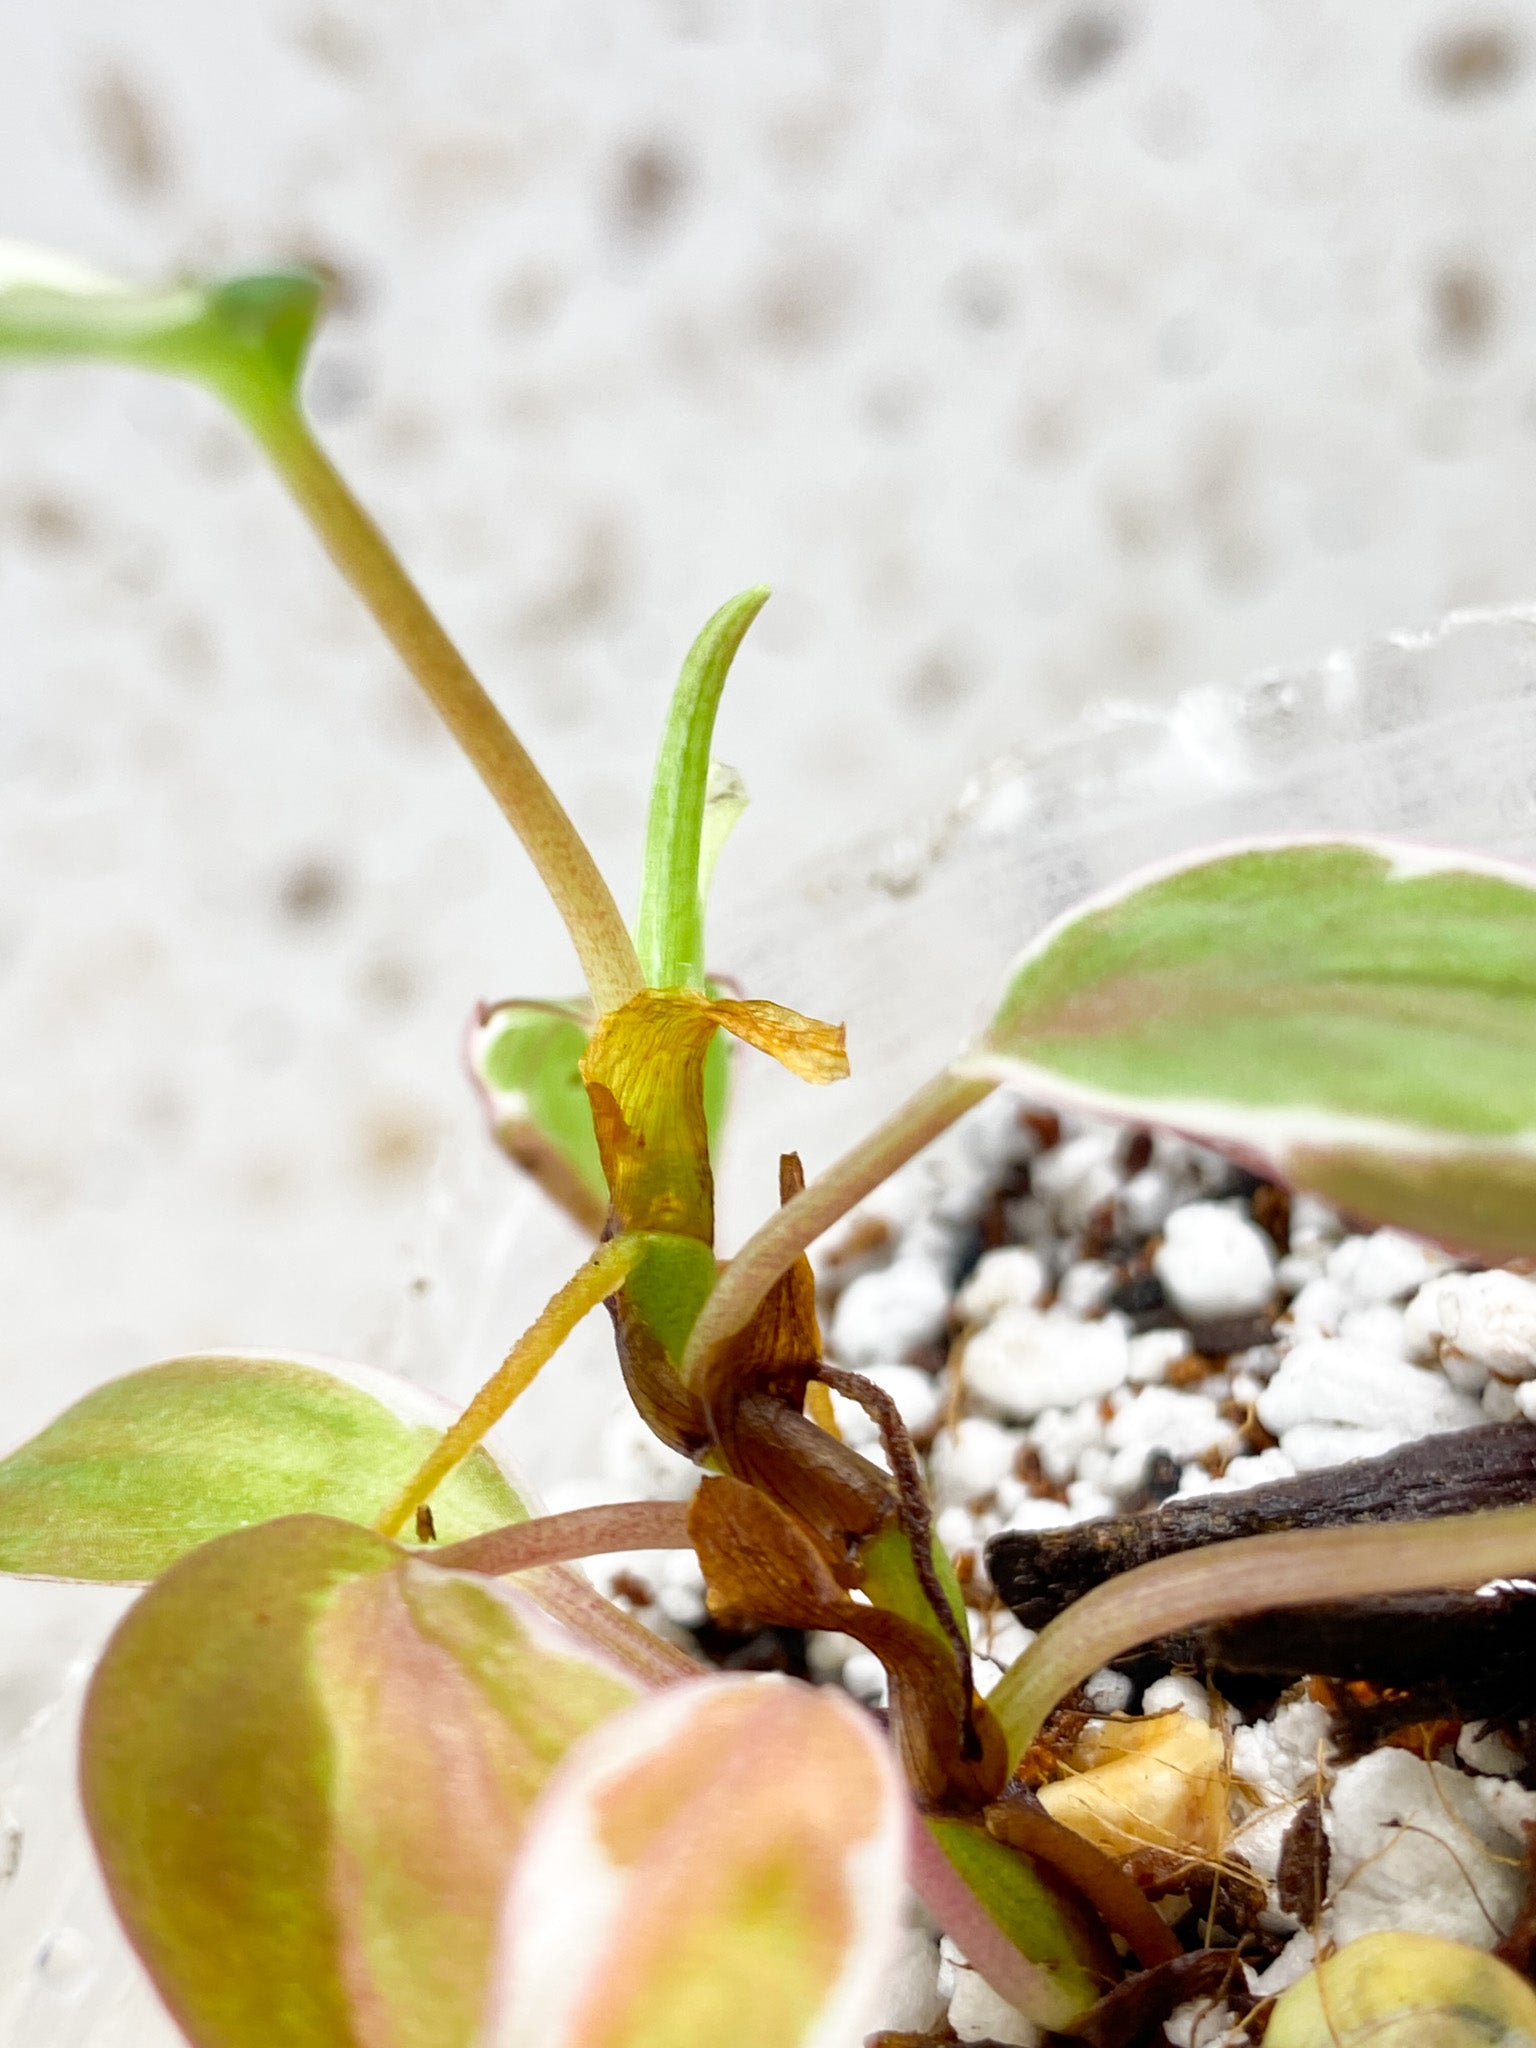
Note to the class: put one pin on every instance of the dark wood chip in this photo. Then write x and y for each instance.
(1039, 1572)
(1223, 1335)
(1138, 1152)
(1140, 1297)
(1458, 1653)
(1045, 1124)
(1159, 1478)
(1271, 1207)
(1301, 1877)
(1132, 2015)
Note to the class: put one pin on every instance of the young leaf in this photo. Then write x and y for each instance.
(720, 1864)
(245, 338)
(307, 1761)
(147, 1467)
(1357, 1015)
(670, 926)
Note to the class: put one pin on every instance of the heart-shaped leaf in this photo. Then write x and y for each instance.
(307, 1761)
(1358, 1015)
(147, 1467)
(246, 337)
(723, 1863)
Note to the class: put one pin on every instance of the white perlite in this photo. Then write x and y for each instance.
(1419, 1846)
(1284, 1757)
(1163, 1418)
(1328, 1380)
(1010, 1277)
(1485, 1319)
(968, 1460)
(1027, 1360)
(886, 1315)
(1080, 1174)
(1202, 2024)
(1177, 1694)
(977, 2014)
(1214, 1262)
(910, 2000)
(1387, 1266)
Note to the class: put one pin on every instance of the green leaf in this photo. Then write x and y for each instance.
(149, 1466)
(669, 932)
(723, 1863)
(1357, 1015)
(246, 338)
(526, 1056)
(307, 1763)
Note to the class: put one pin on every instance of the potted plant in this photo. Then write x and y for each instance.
(369, 1762)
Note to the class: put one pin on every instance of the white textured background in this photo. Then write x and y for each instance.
(1034, 351)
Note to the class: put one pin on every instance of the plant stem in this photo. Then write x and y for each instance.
(603, 1274)
(362, 554)
(581, 1532)
(773, 1249)
(1245, 1577)
(567, 1596)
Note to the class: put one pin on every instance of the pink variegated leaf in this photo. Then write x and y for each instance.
(1358, 1015)
(307, 1762)
(722, 1863)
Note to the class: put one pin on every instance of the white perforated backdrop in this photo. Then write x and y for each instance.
(1033, 351)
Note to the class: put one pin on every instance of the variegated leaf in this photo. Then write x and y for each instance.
(1358, 1016)
(307, 1762)
(723, 1863)
(147, 1467)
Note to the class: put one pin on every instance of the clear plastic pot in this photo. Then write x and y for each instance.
(1432, 737)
